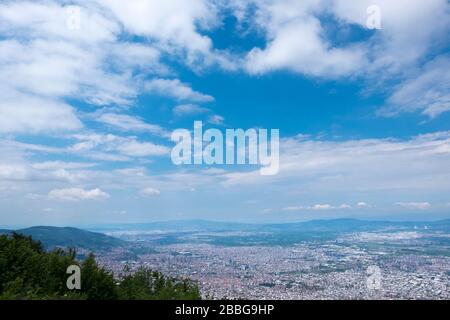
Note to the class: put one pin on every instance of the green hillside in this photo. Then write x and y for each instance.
(27, 271)
(67, 237)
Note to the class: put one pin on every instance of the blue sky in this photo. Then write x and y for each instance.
(90, 92)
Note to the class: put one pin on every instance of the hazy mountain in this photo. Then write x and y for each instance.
(326, 225)
(69, 237)
(193, 231)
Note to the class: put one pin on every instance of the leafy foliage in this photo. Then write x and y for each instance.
(148, 284)
(67, 237)
(27, 271)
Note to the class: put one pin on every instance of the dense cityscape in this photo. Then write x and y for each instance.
(402, 265)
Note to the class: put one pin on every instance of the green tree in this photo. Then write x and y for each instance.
(147, 284)
(96, 283)
(27, 271)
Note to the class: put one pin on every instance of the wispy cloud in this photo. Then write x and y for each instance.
(319, 207)
(415, 205)
(149, 192)
(176, 89)
(77, 194)
(91, 144)
(427, 91)
(129, 123)
(189, 110)
(216, 119)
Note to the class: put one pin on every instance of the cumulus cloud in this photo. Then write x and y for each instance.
(77, 194)
(297, 38)
(24, 114)
(47, 69)
(298, 45)
(395, 46)
(60, 68)
(176, 89)
(43, 62)
(313, 38)
(149, 192)
(362, 204)
(172, 23)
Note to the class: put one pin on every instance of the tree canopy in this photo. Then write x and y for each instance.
(27, 271)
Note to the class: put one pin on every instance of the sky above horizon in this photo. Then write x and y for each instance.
(90, 92)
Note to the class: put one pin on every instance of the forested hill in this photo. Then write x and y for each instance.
(68, 237)
(27, 271)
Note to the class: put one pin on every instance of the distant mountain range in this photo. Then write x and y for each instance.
(69, 237)
(328, 225)
(238, 234)
(279, 233)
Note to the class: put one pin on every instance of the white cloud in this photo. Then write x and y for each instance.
(126, 55)
(415, 205)
(49, 19)
(172, 23)
(216, 119)
(298, 45)
(362, 204)
(136, 172)
(21, 113)
(130, 123)
(47, 62)
(313, 38)
(427, 91)
(395, 46)
(58, 165)
(176, 89)
(18, 170)
(380, 171)
(56, 69)
(149, 192)
(188, 110)
(42, 62)
(13, 171)
(321, 207)
(44, 67)
(380, 168)
(142, 149)
(297, 38)
(109, 146)
(77, 194)
(318, 207)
